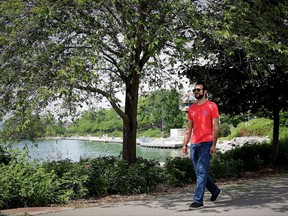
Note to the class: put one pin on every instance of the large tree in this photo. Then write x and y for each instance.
(69, 51)
(243, 52)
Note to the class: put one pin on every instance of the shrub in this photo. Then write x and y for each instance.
(71, 178)
(117, 133)
(140, 177)
(254, 156)
(98, 170)
(25, 183)
(225, 130)
(283, 135)
(255, 127)
(284, 119)
(144, 176)
(179, 171)
(223, 166)
(282, 159)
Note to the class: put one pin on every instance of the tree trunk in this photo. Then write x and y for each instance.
(275, 142)
(130, 122)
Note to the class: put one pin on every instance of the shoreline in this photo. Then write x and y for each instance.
(87, 138)
(169, 142)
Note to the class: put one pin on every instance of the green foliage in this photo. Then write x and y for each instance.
(179, 171)
(253, 127)
(282, 159)
(173, 116)
(25, 183)
(254, 157)
(243, 117)
(18, 128)
(111, 175)
(234, 133)
(37, 126)
(225, 130)
(119, 177)
(223, 166)
(283, 135)
(97, 122)
(246, 48)
(156, 108)
(151, 133)
(248, 158)
(141, 177)
(256, 127)
(99, 170)
(160, 109)
(68, 53)
(53, 127)
(71, 178)
(284, 119)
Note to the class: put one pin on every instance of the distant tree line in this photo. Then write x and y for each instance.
(159, 111)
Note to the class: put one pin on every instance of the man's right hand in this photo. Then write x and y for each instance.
(184, 150)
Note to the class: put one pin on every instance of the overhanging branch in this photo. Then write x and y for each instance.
(112, 100)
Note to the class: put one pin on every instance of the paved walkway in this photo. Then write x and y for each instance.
(266, 197)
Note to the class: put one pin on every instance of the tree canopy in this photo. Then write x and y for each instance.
(67, 52)
(243, 56)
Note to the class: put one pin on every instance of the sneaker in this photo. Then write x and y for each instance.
(215, 196)
(195, 205)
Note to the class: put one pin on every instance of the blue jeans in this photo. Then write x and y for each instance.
(200, 157)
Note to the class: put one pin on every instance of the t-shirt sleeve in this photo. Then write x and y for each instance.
(189, 114)
(215, 111)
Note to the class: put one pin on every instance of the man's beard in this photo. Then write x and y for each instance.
(199, 97)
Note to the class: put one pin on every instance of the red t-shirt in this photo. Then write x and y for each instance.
(202, 118)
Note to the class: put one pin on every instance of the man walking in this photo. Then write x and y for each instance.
(203, 125)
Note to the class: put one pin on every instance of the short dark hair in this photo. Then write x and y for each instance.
(203, 84)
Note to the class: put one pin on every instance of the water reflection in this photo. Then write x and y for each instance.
(49, 150)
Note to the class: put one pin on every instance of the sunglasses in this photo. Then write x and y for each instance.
(197, 89)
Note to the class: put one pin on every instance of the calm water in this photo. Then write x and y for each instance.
(48, 150)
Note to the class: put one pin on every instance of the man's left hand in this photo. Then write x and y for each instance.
(212, 150)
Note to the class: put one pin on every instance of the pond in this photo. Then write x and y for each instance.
(48, 150)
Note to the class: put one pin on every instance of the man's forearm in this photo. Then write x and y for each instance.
(187, 136)
(215, 136)
(215, 131)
